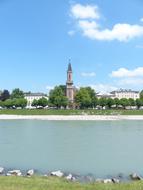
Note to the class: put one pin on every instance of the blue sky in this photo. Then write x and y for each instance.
(103, 39)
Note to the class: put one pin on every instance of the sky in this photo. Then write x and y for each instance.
(103, 39)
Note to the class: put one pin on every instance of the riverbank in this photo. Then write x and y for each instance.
(29, 112)
(71, 117)
(52, 183)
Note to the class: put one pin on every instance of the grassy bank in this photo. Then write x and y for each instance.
(43, 183)
(70, 112)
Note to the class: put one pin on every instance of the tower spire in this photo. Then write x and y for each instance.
(69, 83)
(69, 66)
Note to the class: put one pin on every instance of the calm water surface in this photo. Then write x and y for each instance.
(98, 147)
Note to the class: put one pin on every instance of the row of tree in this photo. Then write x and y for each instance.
(86, 98)
(13, 100)
(16, 99)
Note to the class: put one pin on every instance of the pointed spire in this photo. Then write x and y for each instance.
(69, 66)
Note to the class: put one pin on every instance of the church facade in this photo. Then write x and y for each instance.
(69, 84)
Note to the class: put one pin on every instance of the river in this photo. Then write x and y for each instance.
(100, 148)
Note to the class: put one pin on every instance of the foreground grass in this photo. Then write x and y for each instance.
(70, 112)
(44, 183)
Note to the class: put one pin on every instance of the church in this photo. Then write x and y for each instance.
(70, 89)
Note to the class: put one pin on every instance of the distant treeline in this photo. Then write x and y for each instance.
(84, 98)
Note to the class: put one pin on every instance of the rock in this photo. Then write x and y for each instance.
(8, 174)
(107, 181)
(1, 170)
(14, 173)
(30, 172)
(57, 173)
(114, 180)
(70, 177)
(99, 180)
(135, 176)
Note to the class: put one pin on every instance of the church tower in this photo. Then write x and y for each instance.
(69, 84)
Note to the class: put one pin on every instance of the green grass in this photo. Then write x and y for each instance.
(71, 112)
(51, 183)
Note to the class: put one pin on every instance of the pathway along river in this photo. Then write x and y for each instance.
(101, 148)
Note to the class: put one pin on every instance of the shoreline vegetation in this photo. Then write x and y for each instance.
(54, 183)
(43, 114)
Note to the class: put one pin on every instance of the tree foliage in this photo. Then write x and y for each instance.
(17, 93)
(110, 102)
(83, 98)
(139, 103)
(43, 102)
(5, 95)
(124, 102)
(35, 103)
(57, 97)
(141, 94)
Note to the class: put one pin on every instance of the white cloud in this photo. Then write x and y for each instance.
(103, 88)
(120, 32)
(141, 19)
(87, 25)
(71, 32)
(79, 11)
(131, 81)
(123, 72)
(85, 74)
(86, 18)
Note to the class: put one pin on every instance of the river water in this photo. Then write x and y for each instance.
(100, 148)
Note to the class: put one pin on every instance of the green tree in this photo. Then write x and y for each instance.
(1, 103)
(8, 103)
(92, 95)
(63, 87)
(110, 102)
(124, 102)
(5, 95)
(17, 93)
(20, 102)
(132, 102)
(141, 94)
(35, 103)
(117, 102)
(42, 102)
(139, 103)
(102, 102)
(57, 97)
(83, 98)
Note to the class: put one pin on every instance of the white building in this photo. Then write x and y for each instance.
(125, 94)
(33, 96)
(105, 95)
(120, 94)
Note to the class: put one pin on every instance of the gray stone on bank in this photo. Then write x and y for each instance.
(57, 173)
(30, 173)
(1, 170)
(70, 177)
(107, 181)
(115, 180)
(135, 176)
(14, 173)
(98, 180)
